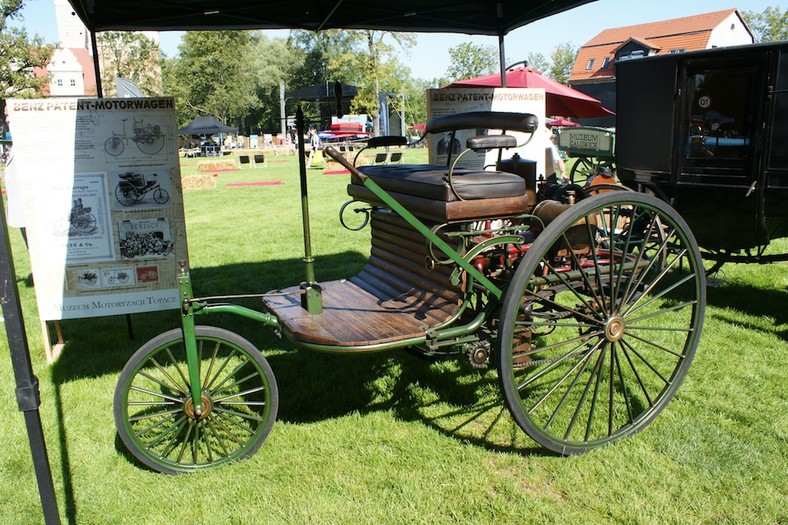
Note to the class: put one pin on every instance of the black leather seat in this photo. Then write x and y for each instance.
(432, 182)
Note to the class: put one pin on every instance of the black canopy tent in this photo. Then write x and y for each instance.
(205, 125)
(481, 17)
(473, 17)
(321, 92)
(478, 17)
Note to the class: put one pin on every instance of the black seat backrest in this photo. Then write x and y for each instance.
(523, 122)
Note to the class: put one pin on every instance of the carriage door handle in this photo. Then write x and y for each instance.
(751, 189)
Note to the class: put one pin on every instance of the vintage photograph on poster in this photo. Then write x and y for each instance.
(148, 274)
(138, 188)
(85, 227)
(111, 277)
(86, 278)
(145, 238)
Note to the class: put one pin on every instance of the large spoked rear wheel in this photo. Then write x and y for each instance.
(154, 410)
(601, 321)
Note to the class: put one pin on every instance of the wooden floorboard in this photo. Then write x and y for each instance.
(353, 316)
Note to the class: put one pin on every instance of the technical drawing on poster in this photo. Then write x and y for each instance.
(148, 137)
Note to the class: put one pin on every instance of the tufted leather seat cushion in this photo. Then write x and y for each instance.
(432, 182)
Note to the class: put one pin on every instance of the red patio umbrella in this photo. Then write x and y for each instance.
(561, 100)
(561, 122)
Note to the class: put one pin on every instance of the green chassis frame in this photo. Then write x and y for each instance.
(311, 298)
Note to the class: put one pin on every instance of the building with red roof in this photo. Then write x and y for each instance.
(593, 72)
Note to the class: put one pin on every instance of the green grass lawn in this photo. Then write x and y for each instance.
(390, 438)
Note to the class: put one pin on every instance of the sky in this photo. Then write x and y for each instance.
(430, 57)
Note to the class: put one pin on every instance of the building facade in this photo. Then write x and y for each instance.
(594, 70)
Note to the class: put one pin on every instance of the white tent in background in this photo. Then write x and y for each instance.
(127, 89)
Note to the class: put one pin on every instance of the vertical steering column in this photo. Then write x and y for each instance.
(189, 337)
(311, 298)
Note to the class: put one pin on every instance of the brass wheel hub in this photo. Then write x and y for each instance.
(614, 328)
(207, 407)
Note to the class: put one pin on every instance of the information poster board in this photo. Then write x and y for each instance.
(448, 101)
(101, 185)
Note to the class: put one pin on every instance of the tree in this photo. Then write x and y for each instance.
(416, 100)
(361, 58)
(317, 50)
(538, 62)
(276, 61)
(380, 72)
(770, 25)
(133, 56)
(469, 60)
(563, 57)
(20, 55)
(214, 75)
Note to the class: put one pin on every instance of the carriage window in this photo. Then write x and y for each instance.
(721, 116)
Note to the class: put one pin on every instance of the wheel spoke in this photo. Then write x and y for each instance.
(581, 401)
(645, 271)
(176, 364)
(597, 376)
(234, 384)
(225, 362)
(663, 311)
(637, 376)
(144, 416)
(157, 424)
(585, 360)
(228, 412)
(622, 383)
(211, 363)
(155, 394)
(240, 394)
(645, 361)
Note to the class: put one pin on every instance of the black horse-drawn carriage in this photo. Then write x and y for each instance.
(708, 132)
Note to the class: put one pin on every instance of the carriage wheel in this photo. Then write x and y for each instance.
(114, 146)
(600, 322)
(582, 169)
(126, 194)
(154, 411)
(160, 195)
(84, 223)
(151, 144)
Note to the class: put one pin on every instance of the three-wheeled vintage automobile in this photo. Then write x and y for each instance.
(588, 305)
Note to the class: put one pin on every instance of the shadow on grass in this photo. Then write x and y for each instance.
(754, 301)
(457, 401)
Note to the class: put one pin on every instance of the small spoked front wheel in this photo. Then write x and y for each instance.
(161, 196)
(600, 322)
(114, 146)
(155, 414)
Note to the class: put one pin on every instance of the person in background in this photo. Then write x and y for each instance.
(314, 142)
(554, 164)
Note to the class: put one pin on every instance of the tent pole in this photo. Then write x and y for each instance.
(27, 394)
(502, 60)
(501, 51)
(96, 68)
